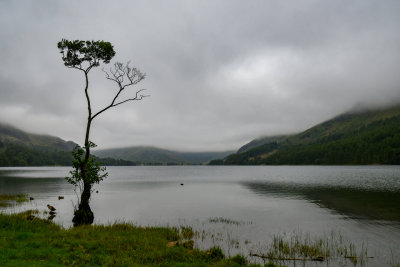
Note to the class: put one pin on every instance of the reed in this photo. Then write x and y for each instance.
(285, 248)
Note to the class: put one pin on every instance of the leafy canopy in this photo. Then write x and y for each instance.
(76, 52)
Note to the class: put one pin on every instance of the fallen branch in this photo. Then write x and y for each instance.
(356, 257)
(319, 258)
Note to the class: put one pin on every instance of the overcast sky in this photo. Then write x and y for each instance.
(220, 73)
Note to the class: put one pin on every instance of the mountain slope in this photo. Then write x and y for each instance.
(360, 137)
(153, 155)
(19, 148)
(11, 134)
(261, 141)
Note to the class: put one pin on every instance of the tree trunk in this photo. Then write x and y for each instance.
(84, 214)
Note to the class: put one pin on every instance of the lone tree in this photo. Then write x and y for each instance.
(83, 56)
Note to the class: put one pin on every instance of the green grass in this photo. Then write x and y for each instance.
(39, 242)
(8, 200)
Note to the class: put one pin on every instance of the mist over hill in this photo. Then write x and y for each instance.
(361, 136)
(10, 134)
(154, 155)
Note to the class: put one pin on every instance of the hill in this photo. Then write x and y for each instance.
(260, 141)
(11, 134)
(358, 137)
(19, 148)
(153, 155)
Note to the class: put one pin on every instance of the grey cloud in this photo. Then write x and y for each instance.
(220, 73)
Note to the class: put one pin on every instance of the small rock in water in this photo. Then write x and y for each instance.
(31, 198)
(181, 184)
(60, 197)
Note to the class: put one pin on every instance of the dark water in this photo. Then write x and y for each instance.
(241, 208)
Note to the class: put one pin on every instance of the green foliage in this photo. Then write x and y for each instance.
(94, 172)
(77, 52)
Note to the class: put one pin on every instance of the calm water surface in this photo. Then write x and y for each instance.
(361, 203)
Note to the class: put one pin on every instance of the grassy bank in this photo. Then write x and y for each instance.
(38, 242)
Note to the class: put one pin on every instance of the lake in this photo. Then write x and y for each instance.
(240, 208)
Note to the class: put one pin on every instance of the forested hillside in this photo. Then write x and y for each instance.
(362, 137)
(18, 148)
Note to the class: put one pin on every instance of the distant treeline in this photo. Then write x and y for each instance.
(19, 155)
(121, 162)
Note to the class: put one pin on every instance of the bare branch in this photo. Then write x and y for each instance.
(124, 76)
(137, 97)
(74, 67)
